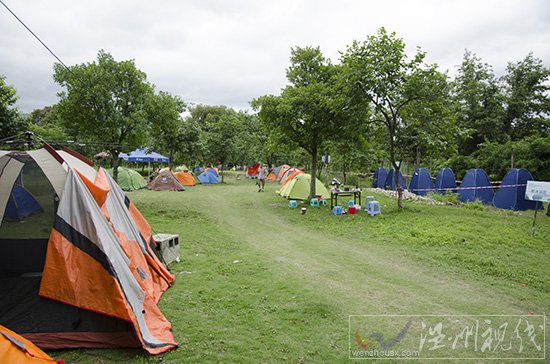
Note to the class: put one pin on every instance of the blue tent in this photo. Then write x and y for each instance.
(389, 184)
(197, 170)
(512, 197)
(476, 186)
(421, 182)
(141, 155)
(445, 181)
(21, 204)
(379, 177)
(213, 171)
(206, 177)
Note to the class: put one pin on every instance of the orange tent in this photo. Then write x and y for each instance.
(271, 177)
(15, 349)
(95, 280)
(290, 176)
(282, 171)
(185, 178)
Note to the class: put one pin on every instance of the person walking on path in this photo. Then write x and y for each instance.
(262, 175)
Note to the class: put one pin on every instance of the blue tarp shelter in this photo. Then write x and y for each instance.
(476, 186)
(421, 182)
(380, 176)
(207, 178)
(512, 197)
(389, 184)
(21, 204)
(445, 181)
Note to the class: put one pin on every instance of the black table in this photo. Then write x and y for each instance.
(356, 193)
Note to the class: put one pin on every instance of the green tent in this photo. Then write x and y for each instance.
(129, 179)
(298, 188)
(182, 168)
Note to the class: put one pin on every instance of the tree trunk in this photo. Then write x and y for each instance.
(115, 165)
(397, 169)
(418, 156)
(312, 191)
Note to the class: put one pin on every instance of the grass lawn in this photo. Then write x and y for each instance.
(259, 282)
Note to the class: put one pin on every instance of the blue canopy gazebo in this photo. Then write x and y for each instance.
(142, 155)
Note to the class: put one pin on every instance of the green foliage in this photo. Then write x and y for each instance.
(409, 99)
(47, 124)
(527, 98)
(11, 123)
(166, 132)
(305, 112)
(479, 103)
(106, 102)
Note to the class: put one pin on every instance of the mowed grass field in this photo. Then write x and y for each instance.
(260, 283)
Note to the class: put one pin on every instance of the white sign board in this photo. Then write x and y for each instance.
(537, 191)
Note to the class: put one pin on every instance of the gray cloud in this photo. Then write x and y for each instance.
(229, 52)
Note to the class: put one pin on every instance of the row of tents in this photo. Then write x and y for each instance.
(83, 271)
(166, 180)
(475, 186)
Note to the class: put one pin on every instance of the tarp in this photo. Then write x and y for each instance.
(390, 184)
(476, 186)
(15, 349)
(298, 188)
(511, 193)
(129, 179)
(207, 178)
(380, 175)
(421, 182)
(445, 181)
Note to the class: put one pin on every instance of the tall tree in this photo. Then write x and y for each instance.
(105, 102)
(479, 101)
(166, 133)
(527, 98)
(304, 111)
(11, 122)
(405, 95)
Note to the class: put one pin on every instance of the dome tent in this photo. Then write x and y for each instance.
(166, 181)
(185, 178)
(445, 181)
(510, 196)
(298, 188)
(208, 178)
(421, 182)
(129, 179)
(476, 186)
(94, 266)
(390, 181)
(380, 176)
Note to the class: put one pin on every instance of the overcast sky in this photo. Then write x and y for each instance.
(227, 52)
